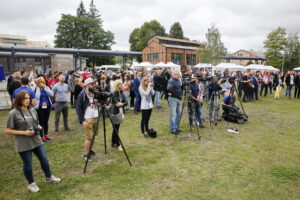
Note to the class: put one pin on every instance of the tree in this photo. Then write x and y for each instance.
(81, 12)
(133, 39)
(85, 32)
(139, 37)
(176, 31)
(214, 48)
(93, 13)
(292, 52)
(275, 45)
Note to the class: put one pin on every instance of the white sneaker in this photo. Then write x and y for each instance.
(53, 179)
(120, 148)
(33, 187)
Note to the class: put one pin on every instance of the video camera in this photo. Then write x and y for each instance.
(101, 96)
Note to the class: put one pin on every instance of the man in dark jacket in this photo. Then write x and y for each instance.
(87, 111)
(174, 92)
(158, 88)
(136, 82)
(297, 86)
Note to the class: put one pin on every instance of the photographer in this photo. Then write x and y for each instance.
(118, 103)
(146, 91)
(229, 103)
(175, 94)
(43, 96)
(23, 124)
(87, 112)
(195, 102)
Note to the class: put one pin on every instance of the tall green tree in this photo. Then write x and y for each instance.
(292, 52)
(214, 48)
(134, 39)
(81, 11)
(139, 37)
(275, 45)
(85, 32)
(176, 31)
(93, 12)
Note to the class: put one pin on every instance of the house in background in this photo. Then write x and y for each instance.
(165, 49)
(243, 57)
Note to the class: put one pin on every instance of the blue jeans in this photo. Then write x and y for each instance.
(175, 111)
(288, 91)
(40, 153)
(157, 98)
(195, 109)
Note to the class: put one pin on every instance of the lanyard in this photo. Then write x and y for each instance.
(26, 120)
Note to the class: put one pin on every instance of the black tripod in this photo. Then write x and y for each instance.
(103, 112)
(185, 100)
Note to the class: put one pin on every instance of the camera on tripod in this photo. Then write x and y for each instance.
(101, 96)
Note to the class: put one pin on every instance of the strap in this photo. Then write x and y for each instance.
(36, 123)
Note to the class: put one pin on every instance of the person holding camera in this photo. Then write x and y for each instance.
(87, 112)
(146, 91)
(118, 101)
(175, 94)
(195, 102)
(23, 123)
(43, 96)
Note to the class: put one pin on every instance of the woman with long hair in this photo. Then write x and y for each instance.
(24, 125)
(43, 96)
(146, 91)
(126, 87)
(118, 103)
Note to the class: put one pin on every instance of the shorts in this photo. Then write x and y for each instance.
(89, 129)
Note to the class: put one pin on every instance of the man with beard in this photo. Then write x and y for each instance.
(87, 111)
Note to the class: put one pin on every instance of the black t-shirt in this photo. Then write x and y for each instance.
(13, 86)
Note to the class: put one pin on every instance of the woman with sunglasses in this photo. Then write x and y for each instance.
(23, 124)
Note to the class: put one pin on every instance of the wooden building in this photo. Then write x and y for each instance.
(178, 51)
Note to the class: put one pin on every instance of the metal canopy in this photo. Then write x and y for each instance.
(24, 55)
(243, 58)
(86, 52)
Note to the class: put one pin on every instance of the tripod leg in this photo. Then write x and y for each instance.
(104, 129)
(240, 101)
(93, 139)
(124, 150)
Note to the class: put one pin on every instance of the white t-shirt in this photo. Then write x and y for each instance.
(91, 111)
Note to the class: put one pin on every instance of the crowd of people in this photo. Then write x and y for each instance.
(34, 96)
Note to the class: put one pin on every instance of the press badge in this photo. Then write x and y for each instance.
(44, 105)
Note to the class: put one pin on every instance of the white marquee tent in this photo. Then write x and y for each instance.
(297, 68)
(229, 66)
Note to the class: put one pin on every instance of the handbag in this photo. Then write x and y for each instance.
(117, 118)
(152, 133)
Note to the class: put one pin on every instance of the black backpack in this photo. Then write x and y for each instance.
(152, 133)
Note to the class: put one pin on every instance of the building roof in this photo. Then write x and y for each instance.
(177, 40)
(179, 47)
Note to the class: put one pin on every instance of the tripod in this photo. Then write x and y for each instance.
(103, 112)
(213, 108)
(191, 118)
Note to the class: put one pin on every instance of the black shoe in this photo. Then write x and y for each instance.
(201, 126)
(172, 132)
(92, 153)
(178, 131)
(87, 157)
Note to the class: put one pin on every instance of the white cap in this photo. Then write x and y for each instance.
(89, 81)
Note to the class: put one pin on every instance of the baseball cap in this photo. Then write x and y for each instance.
(89, 81)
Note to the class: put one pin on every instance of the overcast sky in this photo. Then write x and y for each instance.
(243, 24)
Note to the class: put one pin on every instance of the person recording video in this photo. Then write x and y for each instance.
(195, 102)
(23, 123)
(87, 112)
(118, 103)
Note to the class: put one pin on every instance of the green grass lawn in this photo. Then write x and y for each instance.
(261, 162)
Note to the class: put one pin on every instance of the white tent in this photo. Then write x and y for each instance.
(161, 64)
(229, 66)
(261, 67)
(202, 65)
(297, 68)
(173, 66)
(145, 64)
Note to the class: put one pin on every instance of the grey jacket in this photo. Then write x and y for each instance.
(146, 97)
